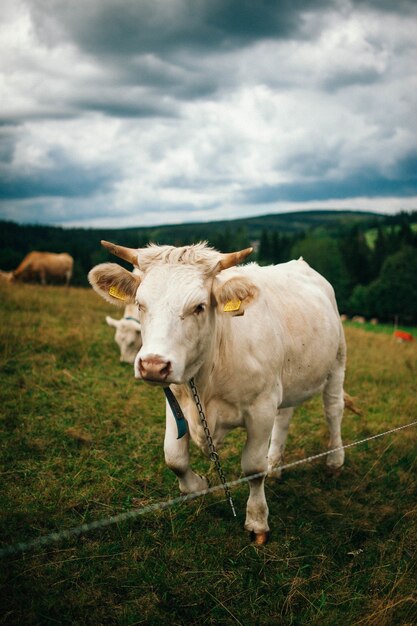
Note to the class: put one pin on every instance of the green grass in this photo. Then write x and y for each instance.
(387, 329)
(82, 440)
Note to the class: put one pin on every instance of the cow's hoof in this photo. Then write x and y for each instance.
(333, 470)
(335, 459)
(197, 485)
(206, 479)
(260, 539)
(274, 473)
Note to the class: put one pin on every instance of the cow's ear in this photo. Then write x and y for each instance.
(112, 322)
(113, 283)
(233, 296)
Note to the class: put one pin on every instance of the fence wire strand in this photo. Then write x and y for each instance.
(54, 537)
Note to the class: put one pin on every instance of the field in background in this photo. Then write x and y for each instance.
(387, 329)
(82, 440)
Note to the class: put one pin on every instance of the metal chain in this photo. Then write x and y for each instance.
(213, 452)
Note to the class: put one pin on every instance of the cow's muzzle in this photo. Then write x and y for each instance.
(154, 369)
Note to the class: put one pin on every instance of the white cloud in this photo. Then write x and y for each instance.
(206, 131)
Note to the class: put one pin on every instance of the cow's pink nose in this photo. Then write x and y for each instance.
(154, 368)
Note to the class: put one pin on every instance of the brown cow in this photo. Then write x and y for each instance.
(6, 277)
(44, 265)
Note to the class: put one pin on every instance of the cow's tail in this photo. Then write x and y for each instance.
(350, 404)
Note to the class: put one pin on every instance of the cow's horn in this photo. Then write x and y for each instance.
(234, 258)
(128, 254)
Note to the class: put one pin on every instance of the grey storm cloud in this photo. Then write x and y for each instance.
(341, 79)
(166, 45)
(64, 178)
(123, 106)
(129, 27)
(364, 184)
(164, 109)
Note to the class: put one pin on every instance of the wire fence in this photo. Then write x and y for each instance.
(60, 535)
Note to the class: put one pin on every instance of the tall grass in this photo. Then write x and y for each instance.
(82, 440)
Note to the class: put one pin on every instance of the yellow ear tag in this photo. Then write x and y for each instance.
(232, 305)
(113, 291)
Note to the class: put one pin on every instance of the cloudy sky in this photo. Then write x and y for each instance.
(140, 112)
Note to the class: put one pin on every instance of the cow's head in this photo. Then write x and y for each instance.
(128, 335)
(7, 277)
(179, 292)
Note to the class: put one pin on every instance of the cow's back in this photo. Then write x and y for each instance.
(46, 264)
(291, 333)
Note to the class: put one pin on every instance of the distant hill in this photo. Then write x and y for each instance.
(32, 236)
(285, 223)
(83, 244)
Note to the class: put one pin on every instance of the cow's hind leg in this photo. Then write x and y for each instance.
(333, 402)
(278, 440)
(177, 457)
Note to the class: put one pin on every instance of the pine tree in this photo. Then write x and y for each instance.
(357, 256)
(264, 251)
(379, 253)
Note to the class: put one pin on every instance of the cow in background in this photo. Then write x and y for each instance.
(257, 341)
(128, 333)
(6, 277)
(44, 267)
(402, 335)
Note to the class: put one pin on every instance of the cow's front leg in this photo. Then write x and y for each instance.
(255, 461)
(278, 440)
(177, 457)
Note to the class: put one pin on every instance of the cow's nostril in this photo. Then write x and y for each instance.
(154, 368)
(166, 369)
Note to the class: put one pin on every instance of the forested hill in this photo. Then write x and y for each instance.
(370, 259)
(17, 240)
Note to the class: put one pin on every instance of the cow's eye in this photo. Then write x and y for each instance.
(200, 308)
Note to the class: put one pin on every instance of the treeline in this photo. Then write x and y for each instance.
(373, 269)
(370, 259)
(84, 244)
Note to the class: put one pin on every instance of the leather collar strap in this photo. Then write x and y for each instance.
(132, 319)
(177, 412)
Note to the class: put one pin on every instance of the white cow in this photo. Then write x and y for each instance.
(128, 333)
(258, 341)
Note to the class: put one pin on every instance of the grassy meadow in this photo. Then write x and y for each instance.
(82, 440)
